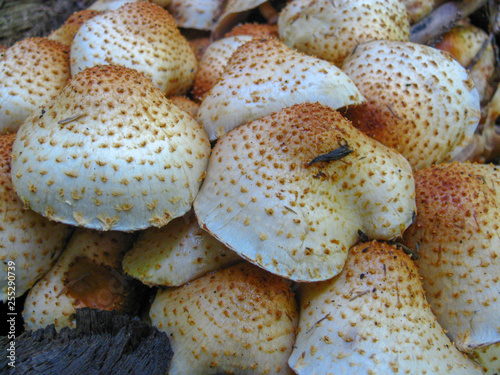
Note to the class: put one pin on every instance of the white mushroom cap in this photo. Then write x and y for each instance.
(419, 100)
(213, 62)
(238, 320)
(110, 152)
(418, 9)
(176, 254)
(87, 274)
(269, 198)
(373, 318)
(28, 239)
(457, 234)
(196, 14)
(264, 76)
(31, 72)
(489, 358)
(142, 36)
(330, 30)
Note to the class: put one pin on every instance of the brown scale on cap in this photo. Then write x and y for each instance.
(110, 152)
(254, 29)
(31, 72)
(457, 234)
(68, 30)
(28, 239)
(267, 197)
(373, 317)
(196, 14)
(331, 30)
(419, 100)
(238, 320)
(142, 36)
(87, 274)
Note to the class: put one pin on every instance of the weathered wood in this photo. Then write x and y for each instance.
(102, 343)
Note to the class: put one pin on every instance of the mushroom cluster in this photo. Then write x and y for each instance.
(282, 187)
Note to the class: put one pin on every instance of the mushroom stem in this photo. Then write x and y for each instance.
(442, 19)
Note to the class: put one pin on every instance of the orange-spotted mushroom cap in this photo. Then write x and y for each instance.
(110, 152)
(373, 318)
(238, 320)
(196, 14)
(330, 30)
(457, 235)
(142, 36)
(419, 100)
(489, 358)
(263, 76)
(107, 5)
(291, 191)
(418, 9)
(31, 72)
(67, 31)
(212, 63)
(262, 30)
(186, 104)
(87, 274)
(176, 254)
(29, 242)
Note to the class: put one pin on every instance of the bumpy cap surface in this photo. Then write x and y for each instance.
(31, 72)
(176, 254)
(196, 14)
(332, 29)
(238, 320)
(458, 236)
(142, 36)
(67, 31)
(289, 192)
(419, 100)
(87, 274)
(263, 76)
(373, 318)
(30, 241)
(110, 152)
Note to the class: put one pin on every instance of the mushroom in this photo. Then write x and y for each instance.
(263, 76)
(330, 30)
(489, 358)
(176, 254)
(373, 318)
(292, 191)
(110, 152)
(254, 29)
(419, 100)
(67, 31)
(141, 36)
(29, 243)
(31, 72)
(238, 320)
(418, 9)
(472, 47)
(107, 5)
(196, 14)
(212, 63)
(87, 274)
(186, 104)
(457, 235)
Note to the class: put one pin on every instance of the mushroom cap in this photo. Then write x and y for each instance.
(68, 30)
(142, 36)
(196, 14)
(31, 72)
(235, 11)
(466, 43)
(330, 30)
(212, 63)
(418, 9)
(107, 5)
(419, 100)
(263, 76)
(176, 254)
(254, 29)
(238, 320)
(186, 104)
(110, 152)
(458, 239)
(374, 318)
(87, 274)
(489, 358)
(28, 239)
(267, 198)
